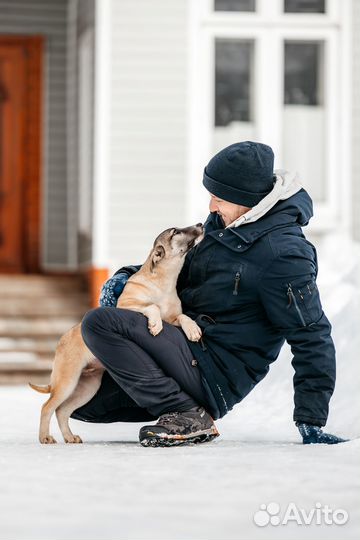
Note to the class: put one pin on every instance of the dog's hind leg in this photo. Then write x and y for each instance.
(88, 385)
(59, 394)
(71, 357)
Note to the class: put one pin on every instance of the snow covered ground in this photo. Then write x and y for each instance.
(110, 488)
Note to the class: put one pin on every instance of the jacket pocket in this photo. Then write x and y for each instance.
(305, 302)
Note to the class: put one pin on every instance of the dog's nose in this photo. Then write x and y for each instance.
(199, 225)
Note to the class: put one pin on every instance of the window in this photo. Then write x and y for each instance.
(234, 91)
(303, 80)
(233, 61)
(234, 5)
(304, 6)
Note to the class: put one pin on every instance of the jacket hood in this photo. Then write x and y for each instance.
(287, 204)
(285, 186)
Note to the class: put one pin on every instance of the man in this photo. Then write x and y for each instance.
(250, 285)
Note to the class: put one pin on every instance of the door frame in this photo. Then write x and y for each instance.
(33, 47)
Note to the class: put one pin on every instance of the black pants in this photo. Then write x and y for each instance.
(145, 376)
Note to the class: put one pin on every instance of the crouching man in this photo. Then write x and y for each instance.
(250, 285)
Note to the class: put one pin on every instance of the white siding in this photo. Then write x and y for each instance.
(149, 123)
(48, 18)
(356, 119)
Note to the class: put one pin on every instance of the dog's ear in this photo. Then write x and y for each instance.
(158, 254)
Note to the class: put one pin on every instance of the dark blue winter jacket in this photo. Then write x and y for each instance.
(250, 288)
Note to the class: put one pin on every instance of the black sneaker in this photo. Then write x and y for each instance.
(175, 428)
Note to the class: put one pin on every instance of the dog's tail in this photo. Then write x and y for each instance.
(42, 389)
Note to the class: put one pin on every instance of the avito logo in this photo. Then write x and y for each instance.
(319, 515)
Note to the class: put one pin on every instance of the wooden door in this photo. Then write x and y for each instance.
(20, 83)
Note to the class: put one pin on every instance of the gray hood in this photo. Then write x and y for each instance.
(286, 185)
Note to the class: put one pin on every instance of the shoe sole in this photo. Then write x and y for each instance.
(157, 440)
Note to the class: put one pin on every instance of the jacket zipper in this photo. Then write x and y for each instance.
(292, 298)
(236, 284)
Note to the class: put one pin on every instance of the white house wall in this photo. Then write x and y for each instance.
(356, 119)
(48, 18)
(148, 124)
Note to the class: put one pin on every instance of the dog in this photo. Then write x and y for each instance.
(77, 374)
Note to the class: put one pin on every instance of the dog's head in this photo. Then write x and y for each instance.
(176, 243)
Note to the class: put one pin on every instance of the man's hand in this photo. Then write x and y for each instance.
(315, 435)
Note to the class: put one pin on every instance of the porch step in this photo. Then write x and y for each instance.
(47, 305)
(20, 358)
(20, 327)
(22, 372)
(34, 313)
(37, 285)
(41, 346)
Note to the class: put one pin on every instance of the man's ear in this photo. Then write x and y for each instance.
(158, 254)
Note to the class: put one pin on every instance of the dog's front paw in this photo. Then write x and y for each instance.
(192, 330)
(155, 326)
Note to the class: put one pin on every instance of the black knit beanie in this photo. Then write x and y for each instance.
(242, 173)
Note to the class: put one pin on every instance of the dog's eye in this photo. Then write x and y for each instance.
(176, 232)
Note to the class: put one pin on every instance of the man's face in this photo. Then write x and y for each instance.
(227, 210)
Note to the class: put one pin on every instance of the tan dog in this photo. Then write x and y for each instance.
(76, 374)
